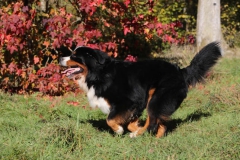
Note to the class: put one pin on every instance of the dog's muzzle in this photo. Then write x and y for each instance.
(72, 69)
(63, 61)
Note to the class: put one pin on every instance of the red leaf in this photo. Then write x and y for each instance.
(13, 28)
(32, 77)
(25, 8)
(159, 25)
(99, 2)
(16, 7)
(56, 43)
(36, 59)
(97, 33)
(131, 58)
(141, 16)
(127, 2)
(53, 34)
(159, 31)
(12, 67)
(126, 30)
(12, 49)
(106, 24)
(19, 72)
(69, 16)
(41, 116)
(73, 103)
(46, 43)
(8, 38)
(29, 24)
(111, 45)
(56, 77)
(15, 18)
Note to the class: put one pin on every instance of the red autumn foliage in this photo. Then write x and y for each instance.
(29, 39)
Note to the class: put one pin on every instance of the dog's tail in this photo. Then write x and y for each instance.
(201, 63)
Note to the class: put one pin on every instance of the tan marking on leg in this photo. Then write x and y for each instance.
(150, 93)
(140, 130)
(115, 126)
(144, 128)
(161, 130)
(112, 124)
(133, 126)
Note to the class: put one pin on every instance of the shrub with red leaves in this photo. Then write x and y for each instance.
(29, 39)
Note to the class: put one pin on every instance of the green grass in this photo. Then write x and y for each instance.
(206, 126)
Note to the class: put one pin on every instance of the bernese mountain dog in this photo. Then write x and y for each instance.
(122, 90)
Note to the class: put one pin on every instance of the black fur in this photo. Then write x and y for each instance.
(126, 85)
(201, 63)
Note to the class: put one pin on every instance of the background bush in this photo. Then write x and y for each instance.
(30, 36)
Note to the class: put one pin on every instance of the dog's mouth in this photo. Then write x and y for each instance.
(73, 70)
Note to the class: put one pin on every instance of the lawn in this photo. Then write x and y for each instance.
(206, 126)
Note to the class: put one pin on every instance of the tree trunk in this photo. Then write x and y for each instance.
(43, 5)
(208, 23)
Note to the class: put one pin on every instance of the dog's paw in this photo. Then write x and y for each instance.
(120, 130)
(134, 134)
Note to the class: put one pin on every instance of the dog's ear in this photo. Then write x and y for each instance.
(100, 56)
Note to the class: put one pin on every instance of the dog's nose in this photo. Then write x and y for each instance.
(61, 59)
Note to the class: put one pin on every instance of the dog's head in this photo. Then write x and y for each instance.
(82, 61)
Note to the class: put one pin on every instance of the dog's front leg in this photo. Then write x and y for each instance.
(133, 126)
(140, 130)
(114, 124)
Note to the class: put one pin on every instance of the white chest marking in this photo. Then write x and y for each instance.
(94, 101)
(82, 84)
(99, 102)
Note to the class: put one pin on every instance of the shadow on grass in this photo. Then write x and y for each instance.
(195, 116)
(101, 124)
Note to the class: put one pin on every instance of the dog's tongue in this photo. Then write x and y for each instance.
(70, 71)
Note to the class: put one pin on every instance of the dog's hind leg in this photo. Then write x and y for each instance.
(140, 130)
(163, 104)
(161, 130)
